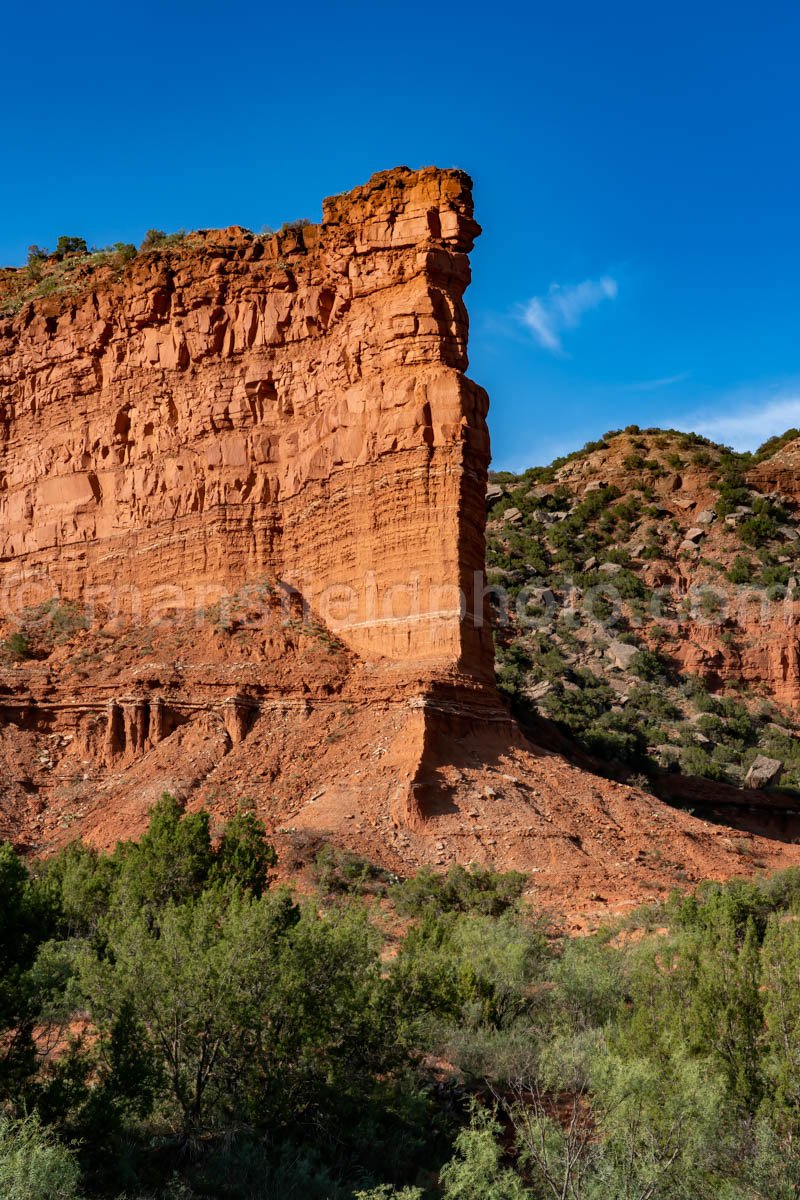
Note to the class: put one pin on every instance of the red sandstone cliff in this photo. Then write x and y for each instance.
(292, 407)
(242, 530)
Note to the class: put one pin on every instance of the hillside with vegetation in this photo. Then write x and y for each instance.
(644, 593)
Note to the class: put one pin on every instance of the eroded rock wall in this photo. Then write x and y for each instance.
(236, 408)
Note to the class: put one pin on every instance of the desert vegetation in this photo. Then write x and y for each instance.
(174, 1024)
(74, 269)
(601, 588)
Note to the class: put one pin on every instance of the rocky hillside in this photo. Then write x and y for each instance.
(646, 602)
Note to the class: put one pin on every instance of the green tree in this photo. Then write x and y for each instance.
(171, 862)
(26, 920)
(244, 855)
(193, 986)
(725, 1018)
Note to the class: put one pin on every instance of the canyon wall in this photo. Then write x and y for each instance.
(187, 437)
(290, 408)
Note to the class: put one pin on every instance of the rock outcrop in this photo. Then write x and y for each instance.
(242, 510)
(292, 407)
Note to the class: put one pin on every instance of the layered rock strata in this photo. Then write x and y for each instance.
(291, 407)
(242, 487)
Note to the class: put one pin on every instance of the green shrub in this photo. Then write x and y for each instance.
(758, 529)
(157, 239)
(776, 575)
(244, 856)
(462, 890)
(68, 246)
(695, 761)
(124, 251)
(342, 871)
(741, 570)
(18, 645)
(37, 255)
(773, 444)
(648, 665)
(33, 1166)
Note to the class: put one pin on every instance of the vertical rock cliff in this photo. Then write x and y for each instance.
(292, 407)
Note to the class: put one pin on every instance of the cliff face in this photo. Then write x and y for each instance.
(234, 408)
(242, 512)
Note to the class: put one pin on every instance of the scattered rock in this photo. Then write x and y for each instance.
(540, 690)
(621, 654)
(695, 534)
(541, 595)
(763, 772)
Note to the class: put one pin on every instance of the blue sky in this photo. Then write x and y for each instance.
(636, 172)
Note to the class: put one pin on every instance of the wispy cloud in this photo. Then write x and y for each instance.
(655, 385)
(745, 427)
(548, 317)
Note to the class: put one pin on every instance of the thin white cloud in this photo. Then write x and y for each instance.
(655, 385)
(548, 317)
(745, 427)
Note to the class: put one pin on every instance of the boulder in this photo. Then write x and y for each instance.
(512, 516)
(493, 493)
(621, 654)
(541, 595)
(539, 690)
(764, 772)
